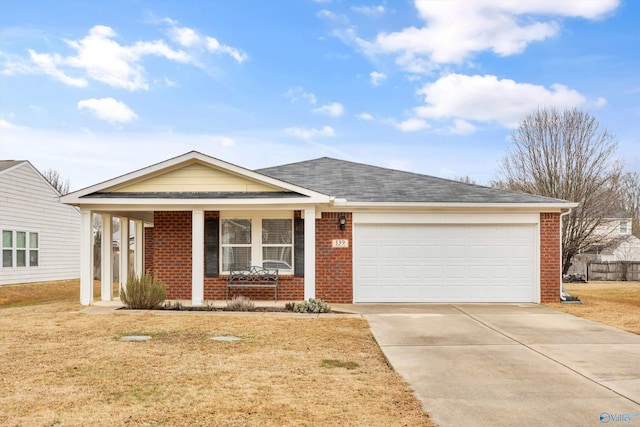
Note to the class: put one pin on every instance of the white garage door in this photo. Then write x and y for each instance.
(444, 263)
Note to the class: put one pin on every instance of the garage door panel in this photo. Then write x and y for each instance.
(442, 263)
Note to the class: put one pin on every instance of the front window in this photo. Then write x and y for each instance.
(236, 244)
(277, 244)
(256, 241)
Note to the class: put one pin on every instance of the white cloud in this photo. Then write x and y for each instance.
(223, 141)
(191, 39)
(294, 94)
(412, 125)
(213, 45)
(461, 127)
(309, 133)
(365, 116)
(377, 77)
(47, 63)
(454, 31)
(600, 102)
(186, 37)
(486, 98)
(371, 11)
(102, 58)
(108, 109)
(335, 109)
(7, 125)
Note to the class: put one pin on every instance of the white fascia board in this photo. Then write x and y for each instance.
(539, 207)
(147, 203)
(73, 198)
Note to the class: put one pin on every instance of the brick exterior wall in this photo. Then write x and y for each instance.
(168, 256)
(550, 257)
(172, 252)
(148, 250)
(334, 266)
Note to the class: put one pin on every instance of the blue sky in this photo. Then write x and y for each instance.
(95, 89)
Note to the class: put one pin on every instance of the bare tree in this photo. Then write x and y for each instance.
(629, 193)
(565, 155)
(54, 178)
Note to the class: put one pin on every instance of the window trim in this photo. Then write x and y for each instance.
(14, 249)
(624, 224)
(256, 245)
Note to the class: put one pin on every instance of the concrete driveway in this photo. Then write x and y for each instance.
(510, 364)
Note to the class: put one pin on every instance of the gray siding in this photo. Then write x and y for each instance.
(29, 203)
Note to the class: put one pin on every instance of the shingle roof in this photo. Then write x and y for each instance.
(6, 164)
(357, 182)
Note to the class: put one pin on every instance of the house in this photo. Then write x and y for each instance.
(613, 226)
(340, 231)
(40, 239)
(613, 242)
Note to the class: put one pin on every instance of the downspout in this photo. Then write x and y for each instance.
(562, 293)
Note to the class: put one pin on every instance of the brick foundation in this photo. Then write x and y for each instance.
(550, 257)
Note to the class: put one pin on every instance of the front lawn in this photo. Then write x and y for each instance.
(64, 367)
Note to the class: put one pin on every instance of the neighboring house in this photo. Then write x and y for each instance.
(613, 242)
(622, 248)
(340, 231)
(615, 225)
(40, 235)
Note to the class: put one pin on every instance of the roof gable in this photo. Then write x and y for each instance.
(361, 183)
(192, 176)
(6, 166)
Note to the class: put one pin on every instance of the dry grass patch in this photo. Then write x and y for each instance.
(38, 293)
(612, 303)
(64, 367)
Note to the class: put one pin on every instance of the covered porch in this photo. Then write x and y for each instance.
(193, 251)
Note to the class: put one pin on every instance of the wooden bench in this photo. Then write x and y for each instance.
(253, 277)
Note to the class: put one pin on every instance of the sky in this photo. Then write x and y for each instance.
(97, 89)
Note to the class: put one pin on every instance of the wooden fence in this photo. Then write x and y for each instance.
(613, 270)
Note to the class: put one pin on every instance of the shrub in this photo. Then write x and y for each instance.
(311, 306)
(239, 303)
(145, 292)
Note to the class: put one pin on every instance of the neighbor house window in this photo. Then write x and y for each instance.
(33, 250)
(7, 248)
(624, 227)
(256, 241)
(19, 249)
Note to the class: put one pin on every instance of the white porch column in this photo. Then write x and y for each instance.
(86, 257)
(197, 257)
(309, 253)
(106, 266)
(138, 264)
(124, 251)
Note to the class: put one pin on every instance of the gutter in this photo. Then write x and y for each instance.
(564, 296)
